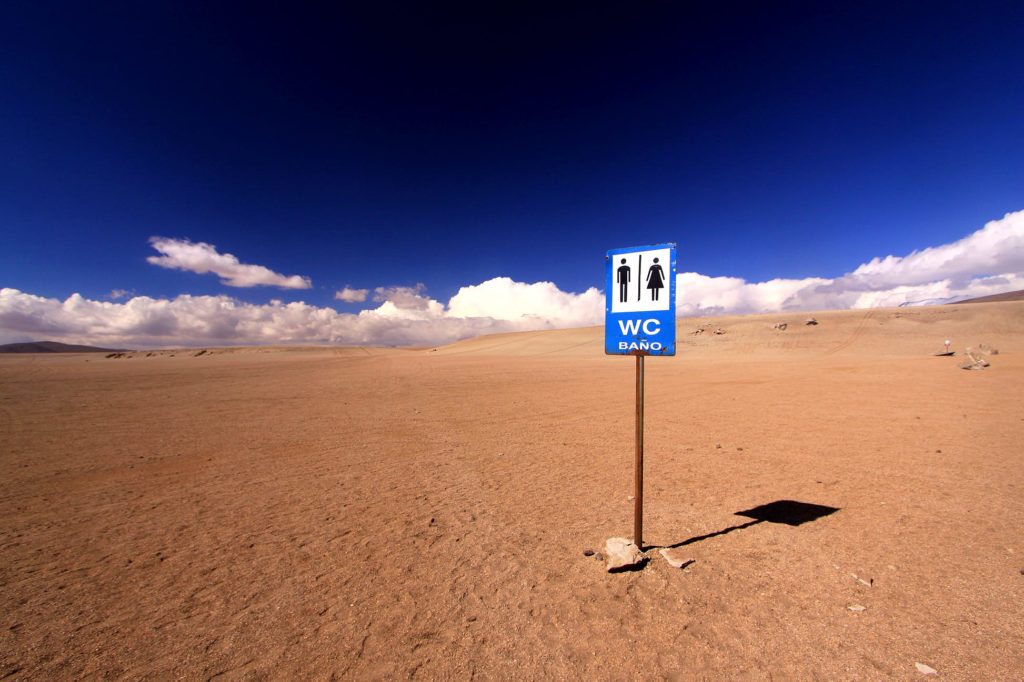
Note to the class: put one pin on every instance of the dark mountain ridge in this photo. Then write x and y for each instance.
(994, 298)
(53, 347)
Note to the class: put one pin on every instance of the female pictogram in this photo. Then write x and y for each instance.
(655, 279)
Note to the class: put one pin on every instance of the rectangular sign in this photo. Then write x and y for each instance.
(640, 301)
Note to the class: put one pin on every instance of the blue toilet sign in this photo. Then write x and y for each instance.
(640, 301)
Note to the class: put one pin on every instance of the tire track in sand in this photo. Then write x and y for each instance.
(857, 332)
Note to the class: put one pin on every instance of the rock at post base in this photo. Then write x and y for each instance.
(622, 554)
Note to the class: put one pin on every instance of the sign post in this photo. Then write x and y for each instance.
(640, 320)
(638, 469)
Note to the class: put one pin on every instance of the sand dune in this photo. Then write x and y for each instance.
(371, 513)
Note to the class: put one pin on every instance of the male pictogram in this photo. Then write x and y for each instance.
(622, 277)
(655, 279)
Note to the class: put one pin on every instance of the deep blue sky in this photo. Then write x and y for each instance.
(394, 143)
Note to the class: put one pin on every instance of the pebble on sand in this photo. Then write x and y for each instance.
(856, 607)
(926, 669)
(674, 561)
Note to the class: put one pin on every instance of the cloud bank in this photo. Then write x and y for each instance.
(988, 261)
(405, 316)
(201, 258)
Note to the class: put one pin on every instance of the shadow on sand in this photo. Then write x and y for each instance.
(788, 512)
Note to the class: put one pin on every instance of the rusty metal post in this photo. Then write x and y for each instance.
(638, 475)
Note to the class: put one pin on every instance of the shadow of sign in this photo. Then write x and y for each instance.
(787, 512)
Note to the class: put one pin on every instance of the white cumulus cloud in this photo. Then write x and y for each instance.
(502, 298)
(996, 248)
(350, 295)
(201, 258)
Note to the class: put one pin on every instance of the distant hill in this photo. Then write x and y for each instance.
(994, 298)
(52, 347)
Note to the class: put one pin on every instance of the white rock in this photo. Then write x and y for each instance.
(856, 607)
(674, 561)
(925, 669)
(621, 554)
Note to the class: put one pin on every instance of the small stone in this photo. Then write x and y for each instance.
(862, 581)
(622, 554)
(938, 452)
(588, 552)
(739, 449)
(811, 321)
(599, 556)
(856, 607)
(926, 669)
(1022, 571)
(718, 446)
(674, 561)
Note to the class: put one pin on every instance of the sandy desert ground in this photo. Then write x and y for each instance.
(371, 513)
